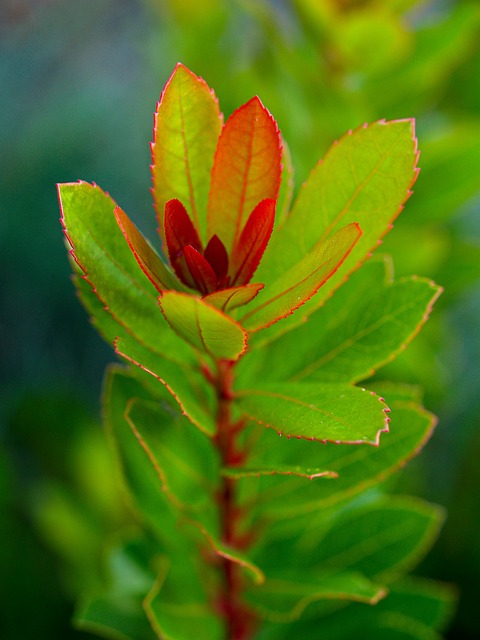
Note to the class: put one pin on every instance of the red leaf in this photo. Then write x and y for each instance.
(179, 233)
(202, 273)
(248, 251)
(246, 170)
(216, 254)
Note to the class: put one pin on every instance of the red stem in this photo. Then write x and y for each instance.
(239, 619)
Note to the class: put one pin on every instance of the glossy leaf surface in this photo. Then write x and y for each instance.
(187, 125)
(203, 326)
(337, 413)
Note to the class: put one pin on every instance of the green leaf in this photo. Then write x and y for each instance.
(118, 612)
(358, 468)
(183, 457)
(426, 601)
(103, 256)
(186, 385)
(237, 472)
(203, 326)
(334, 412)
(114, 618)
(382, 540)
(185, 471)
(281, 600)
(178, 605)
(140, 479)
(366, 177)
(187, 126)
(148, 259)
(233, 297)
(301, 281)
(363, 327)
(413, 609)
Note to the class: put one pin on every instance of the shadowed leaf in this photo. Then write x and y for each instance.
(283, 600)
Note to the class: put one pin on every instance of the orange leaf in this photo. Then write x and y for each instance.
(246, 170)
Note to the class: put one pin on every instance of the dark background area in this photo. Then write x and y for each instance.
(79, 82)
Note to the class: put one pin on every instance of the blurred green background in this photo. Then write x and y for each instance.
(79, 82)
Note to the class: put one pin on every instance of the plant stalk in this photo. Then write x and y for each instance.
(239, 619)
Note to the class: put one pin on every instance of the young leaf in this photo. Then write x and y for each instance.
(183, 381)
(233, 297)
(283, 600)
(366, 177)
(246, 170)
(248, 250)
(180, 233)
(333, 412)
(302, 281)
(187, 125)
(150, 262)
(203, 326)
(203, 275)
(217, 256)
